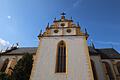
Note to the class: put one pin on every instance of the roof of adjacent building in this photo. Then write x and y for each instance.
(20, 51)
(105, 53)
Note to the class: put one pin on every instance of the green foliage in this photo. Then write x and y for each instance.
(4, 76)
(23, 68)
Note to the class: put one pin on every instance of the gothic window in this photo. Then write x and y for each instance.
(61, 58)
(118, 67)
(94, 70)
(108, 71)
(4, 66)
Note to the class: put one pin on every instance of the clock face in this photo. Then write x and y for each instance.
(68, 30)
(56, 31)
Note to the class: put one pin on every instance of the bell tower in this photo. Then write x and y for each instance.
(62, 53)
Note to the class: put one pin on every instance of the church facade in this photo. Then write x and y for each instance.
(63, 54)
(62, 50)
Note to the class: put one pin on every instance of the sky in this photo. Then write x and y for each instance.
(22, 20)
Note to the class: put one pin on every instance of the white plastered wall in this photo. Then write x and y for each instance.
(78, 64)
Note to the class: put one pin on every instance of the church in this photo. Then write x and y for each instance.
(63, 54)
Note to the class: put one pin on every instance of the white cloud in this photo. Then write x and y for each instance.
(4, 44)
(9, 17)
(75, 4)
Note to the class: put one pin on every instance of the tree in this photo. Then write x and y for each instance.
(4, 76)
(22, 69)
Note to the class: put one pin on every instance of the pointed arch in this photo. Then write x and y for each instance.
(61, 57)
(5, 64)
(94, 70)
(118, 67)
(108, 71)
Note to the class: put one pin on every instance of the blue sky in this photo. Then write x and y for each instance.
(22, 20)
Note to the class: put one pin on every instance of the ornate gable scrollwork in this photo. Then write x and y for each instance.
(63, 27)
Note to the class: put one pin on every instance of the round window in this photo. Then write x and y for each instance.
(56, 31)
(68, 30)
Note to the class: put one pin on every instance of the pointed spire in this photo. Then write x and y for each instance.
(7, 48)
(55, 19)
(40, 34)
(12, 46)
(78, 24)
(17, 45)
(86, 31)
(63, 15)
(86, 34)
(1, 51)
(71, 18)
(47, 26)
(92, 44)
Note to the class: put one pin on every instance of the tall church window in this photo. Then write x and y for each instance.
(5, 64)
(94, 70)
(118, 67)
(108, 71)
(61, 58)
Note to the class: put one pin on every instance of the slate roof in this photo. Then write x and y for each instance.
(105, 53)
(21, 51)
(92, 51)
(109, 53)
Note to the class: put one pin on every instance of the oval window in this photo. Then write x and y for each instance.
(68, 30)
(56, 31)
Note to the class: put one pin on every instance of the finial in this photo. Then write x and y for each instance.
(7, 48)
(92, 44)
(41, 31)
(55, 19)
(71, 18)
(17, 45)
(47, 26)
(78, 24)
(12, 46)
(40, 34)
(63, 14)
(1, 51)
(86, 31)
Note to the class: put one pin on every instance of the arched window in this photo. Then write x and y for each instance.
(94, 70)
(5, 64)
(118, 67)
(108, 71)
(61, 58)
